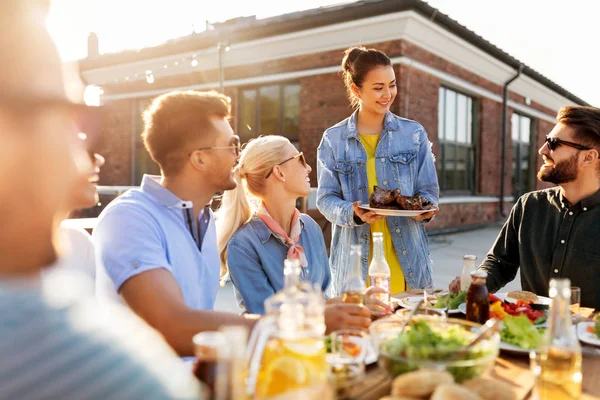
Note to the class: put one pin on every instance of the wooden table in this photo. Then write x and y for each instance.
(510, 368)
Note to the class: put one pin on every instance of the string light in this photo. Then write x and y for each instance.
(194, 63)
(149, 76)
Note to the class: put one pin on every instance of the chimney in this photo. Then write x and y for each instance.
(93, 45)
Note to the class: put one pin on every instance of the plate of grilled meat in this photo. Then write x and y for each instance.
(392, 203)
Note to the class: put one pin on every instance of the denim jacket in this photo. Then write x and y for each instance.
(404, 161)
(255, 259)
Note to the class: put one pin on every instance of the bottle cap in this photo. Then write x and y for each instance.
(469, 257)
(479, 274)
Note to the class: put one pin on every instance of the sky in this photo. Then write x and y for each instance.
(557, 38)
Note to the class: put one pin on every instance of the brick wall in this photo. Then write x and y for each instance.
(323, 103)
(115, 143)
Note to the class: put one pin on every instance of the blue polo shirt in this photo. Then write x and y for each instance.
(151, 228)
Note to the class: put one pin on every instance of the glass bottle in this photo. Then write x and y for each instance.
(467, 267)
(353, 290)
(231, 383)
(557, 362)
(478, 302)
(379, 270)
(208, 348)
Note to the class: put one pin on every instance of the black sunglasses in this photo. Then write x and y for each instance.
(299, 155)
(553, 143)
(235, 145)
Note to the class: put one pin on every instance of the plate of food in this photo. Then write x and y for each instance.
(442, 300)
(393, 203)
(523, 325)
(393, 212)
(538, 302)
(519, 334)
(589, 332)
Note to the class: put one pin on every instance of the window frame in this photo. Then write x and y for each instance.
(472, 170)
(515, 179)
(257, 129)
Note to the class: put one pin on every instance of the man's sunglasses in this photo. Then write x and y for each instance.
(235, 145)
(299, 156)
(553, 143)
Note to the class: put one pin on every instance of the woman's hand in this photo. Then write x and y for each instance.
(426, 215)
(377, 307)
(339, 316)
(367, 216)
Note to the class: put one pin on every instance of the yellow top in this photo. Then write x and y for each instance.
(397, 282)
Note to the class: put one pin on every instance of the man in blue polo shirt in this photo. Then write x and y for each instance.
(156, 246)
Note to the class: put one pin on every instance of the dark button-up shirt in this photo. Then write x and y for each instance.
(549, 238)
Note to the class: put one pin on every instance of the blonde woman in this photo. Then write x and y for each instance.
(258, 227)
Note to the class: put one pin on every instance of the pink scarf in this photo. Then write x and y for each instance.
(295, 252)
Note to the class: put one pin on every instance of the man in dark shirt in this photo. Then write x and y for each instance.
(555, 233)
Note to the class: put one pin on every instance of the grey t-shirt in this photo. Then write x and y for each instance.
(57, 343)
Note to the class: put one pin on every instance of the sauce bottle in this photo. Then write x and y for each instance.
(478, 302)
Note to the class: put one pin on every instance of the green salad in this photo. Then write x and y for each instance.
(597, 325)
(450, 300)
(421, 343)
(519, 331)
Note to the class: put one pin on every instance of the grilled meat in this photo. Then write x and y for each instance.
(392, 199)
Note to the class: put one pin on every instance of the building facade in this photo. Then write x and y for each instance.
(283, 76)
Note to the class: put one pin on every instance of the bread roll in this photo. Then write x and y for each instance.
(488, 389)
(419, 383)
(523, 295)
(453, 392)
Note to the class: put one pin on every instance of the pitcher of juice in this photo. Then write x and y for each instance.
(286, 350)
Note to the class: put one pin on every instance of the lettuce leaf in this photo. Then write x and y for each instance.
(520, 332)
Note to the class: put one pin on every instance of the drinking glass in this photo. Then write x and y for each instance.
(347, 358)
(575, 301)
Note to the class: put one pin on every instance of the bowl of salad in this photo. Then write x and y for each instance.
(429, 342)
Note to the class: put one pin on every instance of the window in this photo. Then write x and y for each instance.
(142, 162)
(456, 161)
(269, 110)
(522, 159)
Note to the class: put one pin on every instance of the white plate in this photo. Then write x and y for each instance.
(394, 213)
(410, 302)
(511, 348)
(542, 299)
(585, 336)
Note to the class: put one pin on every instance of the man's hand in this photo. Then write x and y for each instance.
(377, 307)
(338, 316)
(426, 215)
(369, 217)
(455, 285)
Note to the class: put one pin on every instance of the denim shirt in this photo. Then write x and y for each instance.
(255, 260)
(404, 161)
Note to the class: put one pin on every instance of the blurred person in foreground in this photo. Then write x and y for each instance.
(554, 233)
(74, 243)
(54, 343)
(156, 246)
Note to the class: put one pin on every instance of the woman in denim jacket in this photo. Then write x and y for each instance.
(375, 147)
